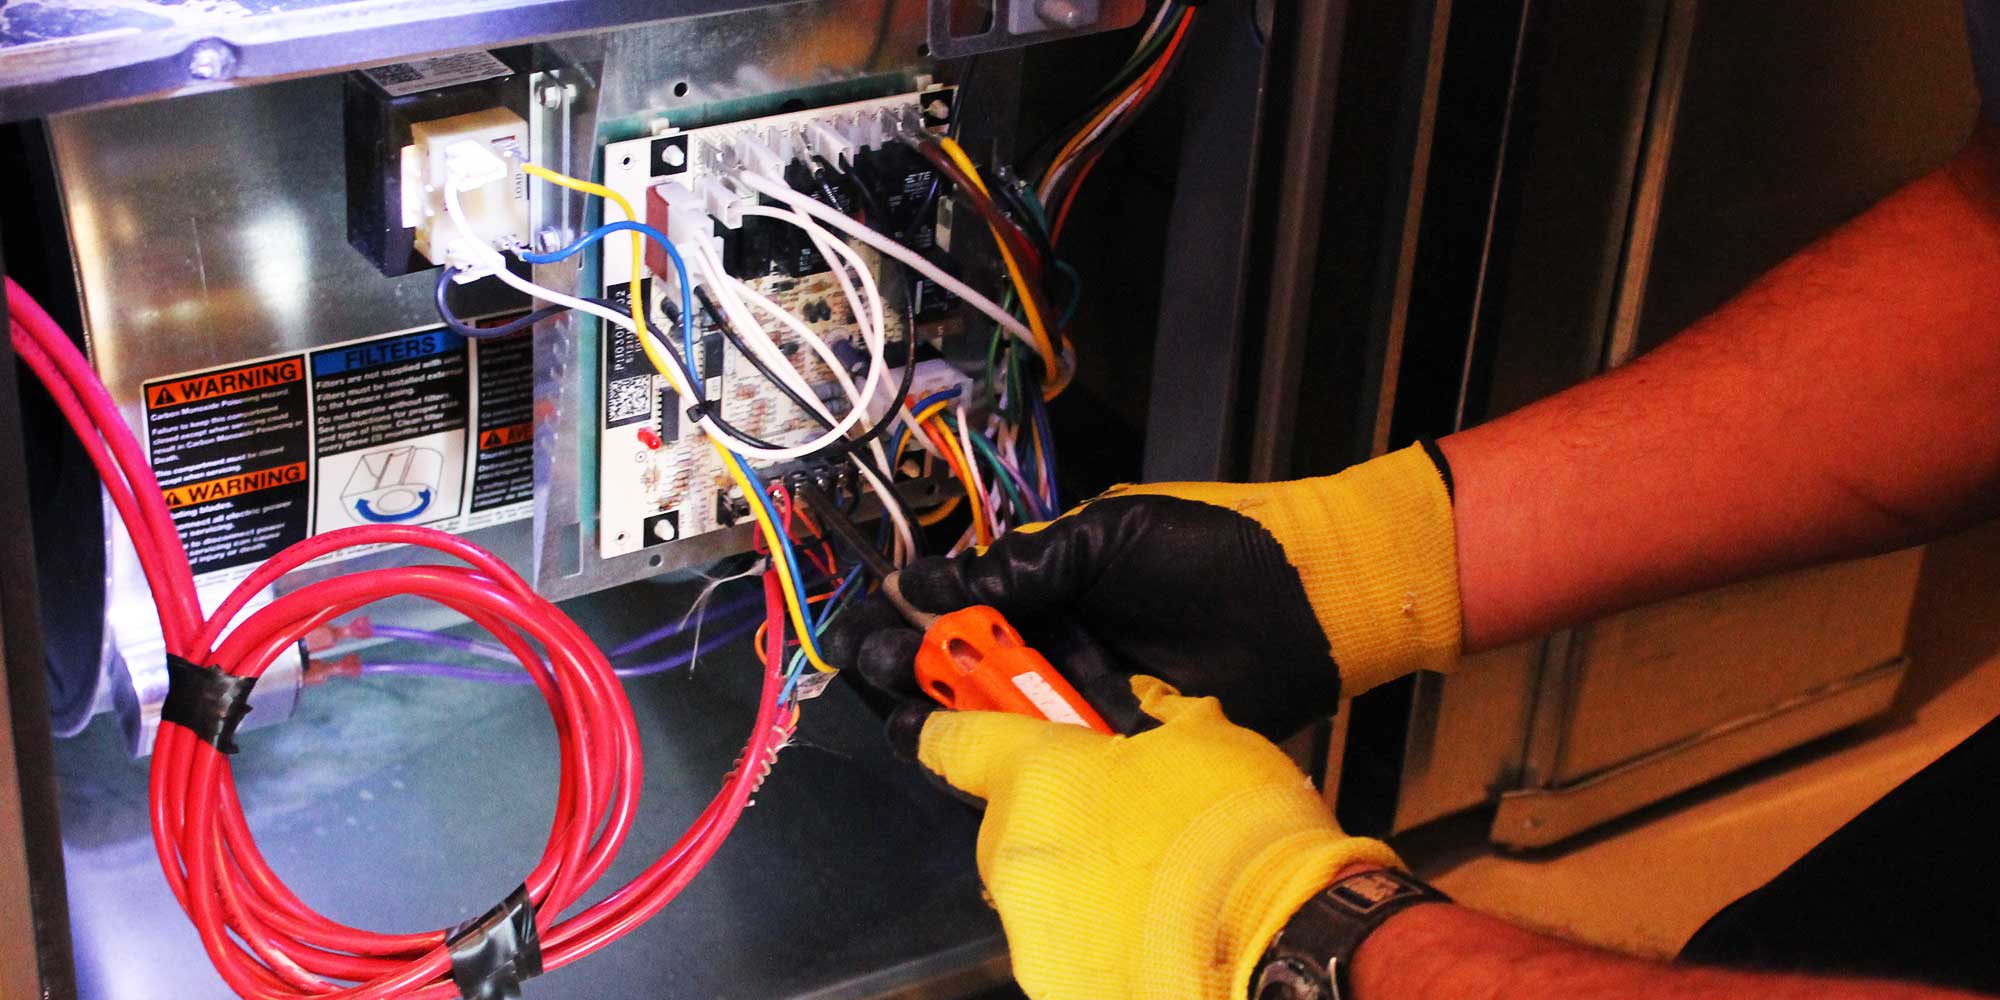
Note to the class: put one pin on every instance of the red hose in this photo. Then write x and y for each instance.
(263, 940)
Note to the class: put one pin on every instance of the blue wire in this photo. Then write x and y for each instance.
(827, 610)
(904, 431)
(784, 544)
(673, 253)
(1040, 414)
(1075, 294)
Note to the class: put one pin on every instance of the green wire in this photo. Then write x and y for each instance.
(985, 448)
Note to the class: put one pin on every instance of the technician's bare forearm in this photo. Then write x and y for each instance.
(1439, 952)
(1844, 404)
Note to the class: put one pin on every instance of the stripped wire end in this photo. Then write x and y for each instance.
(318, 672)
(330, 635)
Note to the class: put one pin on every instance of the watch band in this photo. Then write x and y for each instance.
(1311, 956)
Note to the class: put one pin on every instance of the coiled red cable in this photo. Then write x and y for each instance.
(264, 941)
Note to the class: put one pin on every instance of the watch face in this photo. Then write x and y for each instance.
(1290, 979)
(1365, 892)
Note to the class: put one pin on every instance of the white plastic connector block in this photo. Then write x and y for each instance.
(762, 154)
(688, 222)
(479, 155)
(724, 204)
(933, 376)
(826, 142)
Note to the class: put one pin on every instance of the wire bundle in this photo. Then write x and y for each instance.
(1114, 109)
(264, 941)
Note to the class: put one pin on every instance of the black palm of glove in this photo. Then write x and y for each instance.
(1196, 594)
(1274, 598)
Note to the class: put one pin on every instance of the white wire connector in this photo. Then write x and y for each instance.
(826, 142)
(759, 154)
(470, 164)
(724, 203)
(689, 222)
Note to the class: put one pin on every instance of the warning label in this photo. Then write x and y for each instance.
(419, 427)
(230, 449)
(503, 472)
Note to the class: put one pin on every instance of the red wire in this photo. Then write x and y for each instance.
(263, 940)
(1144, 84)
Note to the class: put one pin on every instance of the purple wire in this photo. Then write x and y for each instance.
(751, 596)
(451, 671)
(495, 651)
(445, 640)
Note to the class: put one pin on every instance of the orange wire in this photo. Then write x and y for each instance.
(1141, 84)
(954, 456)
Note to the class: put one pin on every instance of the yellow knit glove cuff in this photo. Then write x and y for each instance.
(1158, 866)
(1376, 550)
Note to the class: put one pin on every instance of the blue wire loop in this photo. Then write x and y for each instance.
(673, 254)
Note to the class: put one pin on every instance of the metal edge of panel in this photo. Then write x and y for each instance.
(967, 970)
(1413, 210)
(177, 54)
(1190, 419)
(1318, 30)
(1539, 817)
(1013, 23)
(1553, 674)
(32, 884)
(1662, 118)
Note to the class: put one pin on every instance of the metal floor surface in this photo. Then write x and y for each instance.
(403, 803)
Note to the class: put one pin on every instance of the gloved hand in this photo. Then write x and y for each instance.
(1277, 598)
(1159, 865)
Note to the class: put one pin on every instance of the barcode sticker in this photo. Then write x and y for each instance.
(630, 398)
(399, 79)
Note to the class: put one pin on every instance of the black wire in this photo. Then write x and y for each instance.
(836, 521)
(878, 213)
(464, 329)
(1017, 207)
(729, 332)
(1042, 154)
(702, 408)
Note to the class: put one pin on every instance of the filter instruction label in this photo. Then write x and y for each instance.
(420, 427)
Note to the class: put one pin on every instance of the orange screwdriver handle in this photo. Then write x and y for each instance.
(973, 660)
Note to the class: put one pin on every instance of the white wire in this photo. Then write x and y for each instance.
(675, 373)
(977, 483)
(906, 536)
(1007, 320)
(494, 263)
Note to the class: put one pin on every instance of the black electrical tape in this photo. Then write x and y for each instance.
(206, 701)
(492, 955)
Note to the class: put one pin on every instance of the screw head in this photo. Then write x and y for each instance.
(1067, 14)
(211, 59)
(550, 94)
(548, 239)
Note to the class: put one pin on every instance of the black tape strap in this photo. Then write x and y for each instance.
(493, 954)
(206, 701)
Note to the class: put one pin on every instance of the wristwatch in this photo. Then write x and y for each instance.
(1311, 956)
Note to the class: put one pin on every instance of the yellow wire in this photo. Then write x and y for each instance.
(958, 455)
(940, 512)
(794, 602)
(1044, 344)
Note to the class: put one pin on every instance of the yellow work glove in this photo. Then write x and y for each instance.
(1278, 598)
(1159, 865)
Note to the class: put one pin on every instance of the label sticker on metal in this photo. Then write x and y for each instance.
(416, 427)
(399, 79)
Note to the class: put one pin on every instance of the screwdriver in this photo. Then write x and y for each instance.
(972, 659)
